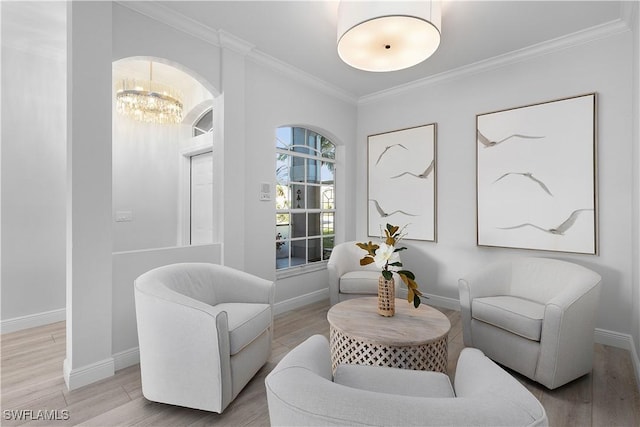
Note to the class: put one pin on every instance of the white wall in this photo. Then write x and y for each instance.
(273, 100)
(635, 25)
(145, 183)
(33, 173)
(602, 66)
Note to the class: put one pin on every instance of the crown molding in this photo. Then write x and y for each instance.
(290, 71)
(224, 39)
(229, 41)
(163, 14)
(564, 42)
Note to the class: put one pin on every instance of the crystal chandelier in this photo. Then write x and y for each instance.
(148, 101)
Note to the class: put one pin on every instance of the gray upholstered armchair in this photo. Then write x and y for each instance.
(301, 391)
(533, 315)
(204, 331)
(348, 279)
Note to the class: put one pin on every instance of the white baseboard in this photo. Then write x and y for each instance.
(614, 339)
(32, 320)
(623, 341)
(636, 362)
(126, 358)
(444, 302)
(300, 301)
(80, 377)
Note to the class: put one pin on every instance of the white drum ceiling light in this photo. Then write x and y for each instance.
(387, 35)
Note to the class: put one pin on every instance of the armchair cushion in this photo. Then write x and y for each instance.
(404, 382)
(517, 315)
(359, 282)
(246, 323)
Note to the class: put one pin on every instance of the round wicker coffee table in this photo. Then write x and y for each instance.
(414, 338)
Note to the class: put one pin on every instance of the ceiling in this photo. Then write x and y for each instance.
(303, 33)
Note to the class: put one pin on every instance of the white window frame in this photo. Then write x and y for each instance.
(307, 266)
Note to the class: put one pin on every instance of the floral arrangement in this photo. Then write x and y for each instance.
(385, 255)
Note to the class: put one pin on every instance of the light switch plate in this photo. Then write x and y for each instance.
(265, 191)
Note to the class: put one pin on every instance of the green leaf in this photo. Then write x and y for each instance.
(400, 249)
(387, 274)
(416, 301)
(396, 264)
(407, 273)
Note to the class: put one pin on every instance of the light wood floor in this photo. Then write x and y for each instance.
(32, 380)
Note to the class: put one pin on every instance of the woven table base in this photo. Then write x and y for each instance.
(426, 357)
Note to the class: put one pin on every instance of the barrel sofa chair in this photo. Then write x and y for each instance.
(204, 331)
(348, 279)
(533, 315)
(301, 391)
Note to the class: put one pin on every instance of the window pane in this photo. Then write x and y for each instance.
(298, 197)
(299, 142)
(314, 250)
(282, 219)
(328, 149)
(328, 198)
(298, 252)
(313, 197)
(313, 141)
(313, 227)
(282, 253)
(313, 171)
(283, 197)
(327, 223)
(282, 168)
(297, 171)
(326, 173)
(284, 137)
(298, 225)
(327, 246)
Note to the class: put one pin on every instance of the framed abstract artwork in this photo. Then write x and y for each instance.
(402, 181)
(537, 176)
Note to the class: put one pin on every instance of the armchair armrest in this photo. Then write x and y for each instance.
(492, 280)
(238, 286)
(566, 343)
(184, 348)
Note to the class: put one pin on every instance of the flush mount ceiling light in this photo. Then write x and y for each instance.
(148, 101)
(387, 35)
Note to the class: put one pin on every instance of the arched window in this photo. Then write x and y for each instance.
(204, 123)
(305, 202)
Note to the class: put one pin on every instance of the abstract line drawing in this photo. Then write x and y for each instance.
(531, 177)
(412, 200)
(559, 230)
(387, 149)
(423, 175)
(536, 190)
(489, 143)
(384, 214)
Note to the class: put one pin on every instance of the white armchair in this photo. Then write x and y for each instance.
(348, 279)
(533, 315)
(204, 331)
(301, 391)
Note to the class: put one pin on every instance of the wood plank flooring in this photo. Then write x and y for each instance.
(31, 376)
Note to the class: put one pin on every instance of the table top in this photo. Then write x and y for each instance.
(409, 326)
